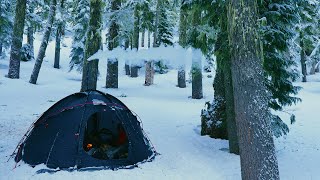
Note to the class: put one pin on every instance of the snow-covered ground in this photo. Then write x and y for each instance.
(170, 118)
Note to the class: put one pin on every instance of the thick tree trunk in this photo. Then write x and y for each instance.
(44, 43)
(134, 71)
(217, 127)
(182, 43)
(112, 74)
(93, 43)
(30, 39)
(196, 74)
(127, 69)
(112, 66)
(149, 73)
(223, 55)
(182, 77)
(257, 151)
(17, 37)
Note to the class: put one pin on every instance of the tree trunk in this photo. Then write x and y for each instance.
(136, 28)
(112, 66)
(126, 66)
(149, 73)
(182, 77)
(317, 67)
(149, 39)
(134, 71)
(313, 68)
(257, 151)
(223, 55)
(57, 49)
(135, 39)
(0, 49)
(182, 43)
(196, 74)
(303, 59)
(142, 38)
(112, 74)
(44, 43)
(58, 40)
(155, 34)
(93, 43)
(30, 39)
(17, 37)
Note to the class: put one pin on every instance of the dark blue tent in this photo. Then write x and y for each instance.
(57, 138)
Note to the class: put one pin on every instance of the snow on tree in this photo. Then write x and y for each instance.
(14, 66)
(44, 43)
(80, 27)
(93, 44)
(6, 24)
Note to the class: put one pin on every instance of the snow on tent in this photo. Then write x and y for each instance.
(66, 135)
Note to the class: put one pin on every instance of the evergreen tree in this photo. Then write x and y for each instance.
(6, 24)
(165, 24)
(93, 44)
(60, 21)
(80, 28)
(277, 27)
(113, 42)
(257, 151)
(14, 66)
(308, 30)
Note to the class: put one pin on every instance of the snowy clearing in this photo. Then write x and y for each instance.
(170, 118)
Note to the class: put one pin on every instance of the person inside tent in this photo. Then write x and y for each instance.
(109, 146)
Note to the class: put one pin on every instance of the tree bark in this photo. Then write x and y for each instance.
(93, 43)
(30, 39)
(196, 74)
(134, 71)
(112, 66)
(317, 67)
(149, 39)
(57, 49)
(182, 43)
(303, 59)
(142, 38)
(112, 74)
(44, 43)
(149, 73)
(17, 37)
(257, 151)
(135, 39)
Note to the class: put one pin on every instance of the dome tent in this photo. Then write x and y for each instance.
(57, 138)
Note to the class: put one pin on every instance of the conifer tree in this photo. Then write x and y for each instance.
(44, 43)
(93, 44)
(59, 32)
(113, 42)
(17, 37)
(81, 22)
(6, 24)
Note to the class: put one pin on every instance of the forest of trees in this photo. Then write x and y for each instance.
(258, 47)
